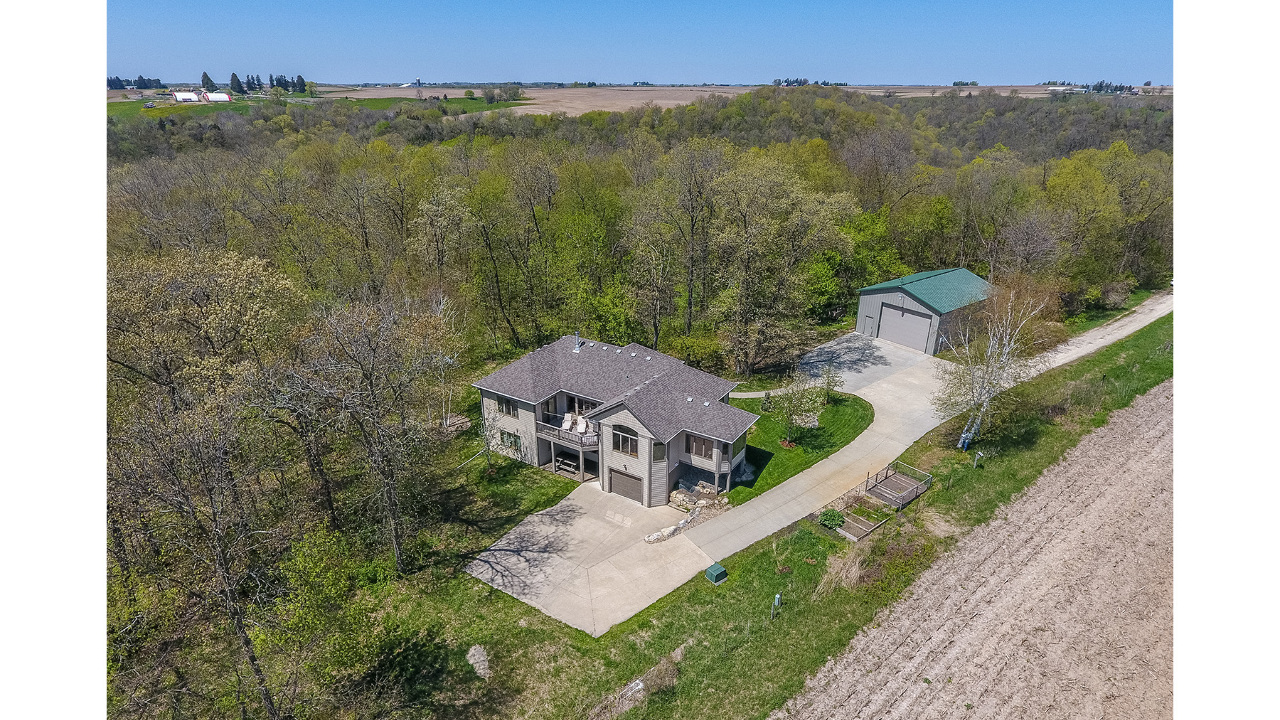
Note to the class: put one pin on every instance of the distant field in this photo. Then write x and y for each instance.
(906, 91)
(573, 101)
(466, 104)
(133, 108)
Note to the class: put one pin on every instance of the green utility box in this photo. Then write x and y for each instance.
(717, 574)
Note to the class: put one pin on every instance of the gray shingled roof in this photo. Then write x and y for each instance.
(653, 386)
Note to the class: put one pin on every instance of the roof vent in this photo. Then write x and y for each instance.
(688, 399)
(648, 357)
(618, 350)
(592, 344)
(706, 404)
(577, 341)
(633, 354)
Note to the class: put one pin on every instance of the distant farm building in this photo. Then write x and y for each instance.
(914, 311)
(217, 97)
(186, 97)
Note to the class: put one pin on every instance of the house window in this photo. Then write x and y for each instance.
(511, 440)
(549, 406)
(699, 446)
(507, 406)
(659, 452)
(626, 441)
(739, 444)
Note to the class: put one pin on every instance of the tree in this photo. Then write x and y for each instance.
(490, 95)
(997, 344)
(299, 84)
(370, 362)
(798, 404)
(207, 82)
(469, 93)
(310, 88)
(236, 86)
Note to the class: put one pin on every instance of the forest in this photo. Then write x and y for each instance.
(299, 297)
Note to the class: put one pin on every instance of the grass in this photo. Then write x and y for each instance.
(133, 108)
(1090, 319)
(1053, 412)
(844, 418)
(738, 663)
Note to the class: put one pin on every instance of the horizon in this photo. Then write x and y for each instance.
(856, 42)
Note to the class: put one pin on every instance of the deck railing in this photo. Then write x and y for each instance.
(590, 438)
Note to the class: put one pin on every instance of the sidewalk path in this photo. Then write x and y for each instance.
(557, 561)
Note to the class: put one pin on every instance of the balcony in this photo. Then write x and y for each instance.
(551, 429)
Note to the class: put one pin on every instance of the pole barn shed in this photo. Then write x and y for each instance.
(913, 311)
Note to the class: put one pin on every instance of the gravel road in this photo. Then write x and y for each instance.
(1061, 607)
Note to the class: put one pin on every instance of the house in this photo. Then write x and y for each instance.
(217, 97)
(186, 97)
(914, 310)
(637, 421)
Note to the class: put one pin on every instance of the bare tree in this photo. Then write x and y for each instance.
(370, 362)
(997, 344)
(187, 474)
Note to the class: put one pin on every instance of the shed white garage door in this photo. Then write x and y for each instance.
(905, 327)
(628, 486)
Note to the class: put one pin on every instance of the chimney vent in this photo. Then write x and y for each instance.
(577, 341)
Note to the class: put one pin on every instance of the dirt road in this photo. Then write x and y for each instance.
(1061, 607)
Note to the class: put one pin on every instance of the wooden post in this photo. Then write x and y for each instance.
(581, 466)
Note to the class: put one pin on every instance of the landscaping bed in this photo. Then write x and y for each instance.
(842, 420)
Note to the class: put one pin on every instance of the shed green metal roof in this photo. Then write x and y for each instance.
(942, 290)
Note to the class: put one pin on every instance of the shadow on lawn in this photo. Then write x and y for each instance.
(758, 459)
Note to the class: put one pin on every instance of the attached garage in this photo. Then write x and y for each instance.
(912, 311)
(628, 486)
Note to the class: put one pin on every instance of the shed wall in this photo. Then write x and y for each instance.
(869, 306)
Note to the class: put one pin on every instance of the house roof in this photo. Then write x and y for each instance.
(654, 387)
(942, 290)
(666, 412)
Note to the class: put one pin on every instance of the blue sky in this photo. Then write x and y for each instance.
(858, 42)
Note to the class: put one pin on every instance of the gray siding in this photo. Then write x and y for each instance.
(639, 466)
(523, 425)
(869, 305)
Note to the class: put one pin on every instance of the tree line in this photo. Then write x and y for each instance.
(298, 299)
(141, 83)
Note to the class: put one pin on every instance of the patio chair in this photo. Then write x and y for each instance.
(582, 425)
(568, 421)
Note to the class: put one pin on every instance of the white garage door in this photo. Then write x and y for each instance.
(905, 327)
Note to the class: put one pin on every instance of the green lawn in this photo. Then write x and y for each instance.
(738, 663)
(840, 422)
(1091, 319)
(1021, 444)
(133, 108)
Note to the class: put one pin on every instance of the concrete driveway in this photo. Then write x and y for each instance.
(585, 561)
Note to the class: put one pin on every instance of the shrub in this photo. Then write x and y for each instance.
(831, 518)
